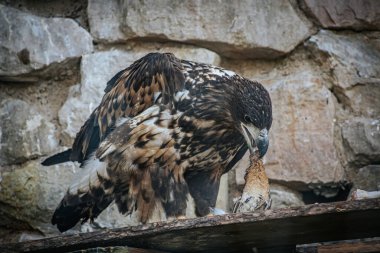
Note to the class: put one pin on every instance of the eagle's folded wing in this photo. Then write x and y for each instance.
(153, 78)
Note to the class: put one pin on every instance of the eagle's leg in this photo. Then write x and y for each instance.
(204, 191)
(256, 190)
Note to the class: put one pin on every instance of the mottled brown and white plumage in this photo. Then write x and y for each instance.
(164, 129)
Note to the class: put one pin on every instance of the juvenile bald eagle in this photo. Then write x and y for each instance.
(164, 129)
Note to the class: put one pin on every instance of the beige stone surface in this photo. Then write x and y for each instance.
(362, 139)
(104, 20)
(353, 60)
(29, 42)
(366, 178)
(222, 200)
(245, 29)
(30, 194)
(283, 197)
(24, 132)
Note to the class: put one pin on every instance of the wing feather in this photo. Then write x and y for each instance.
(128, 93)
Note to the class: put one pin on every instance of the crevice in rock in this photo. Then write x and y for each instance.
(327, 193)
(221, 48)
(55, 71)
(307, 13)
(224, 50)
(291, 184)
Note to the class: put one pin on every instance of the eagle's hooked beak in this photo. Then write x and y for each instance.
(257, 140)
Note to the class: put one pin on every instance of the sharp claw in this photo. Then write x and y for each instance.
(237, 206)
(252, 203)
(268, 204)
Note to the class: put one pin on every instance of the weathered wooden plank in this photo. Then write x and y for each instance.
(117, 249)
(231, 232)
(366, 245)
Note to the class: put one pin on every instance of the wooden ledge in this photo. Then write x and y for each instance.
(267, 231)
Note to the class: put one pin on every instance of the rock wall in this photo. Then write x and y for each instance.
(320, 61)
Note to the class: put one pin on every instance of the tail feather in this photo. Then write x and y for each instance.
(85, 199)
(58, 158)
(75, 208)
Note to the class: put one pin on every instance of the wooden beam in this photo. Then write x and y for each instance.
(265, 230)
(117, 249)
(353, 246)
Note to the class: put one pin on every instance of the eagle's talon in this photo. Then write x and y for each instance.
(250, 205)
(268, 204)
(247, 203)
(236, 206)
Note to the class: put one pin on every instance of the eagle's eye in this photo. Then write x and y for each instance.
(247, 119)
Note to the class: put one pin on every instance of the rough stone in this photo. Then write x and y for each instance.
(28, 42)
(24, 132)
(302, 135)
(98, 68)
(302, 149)
(283, 197)
(354, 61)
(249, 29)
(344, 14)
(362, 139)
(222, 200)
(104, 20)
(241, 168)
(367, 178)
(351, 50)
(74, 9)
(30, 194)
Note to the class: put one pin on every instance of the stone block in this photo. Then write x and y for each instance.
(344, 14)
(245, 29)
(29, 42)
(366, 178)
(362, 140)
(353, 60)
(24, 132)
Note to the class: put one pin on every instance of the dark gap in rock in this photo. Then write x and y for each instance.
(311, 197)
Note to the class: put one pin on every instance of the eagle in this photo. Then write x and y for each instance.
(165, 130)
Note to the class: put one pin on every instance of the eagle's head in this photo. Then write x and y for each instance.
(253, 115)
